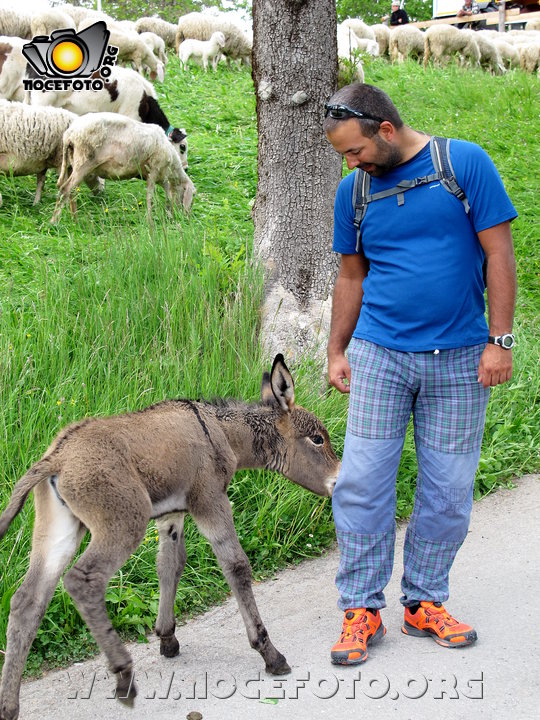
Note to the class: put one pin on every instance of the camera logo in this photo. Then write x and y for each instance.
(68, 58)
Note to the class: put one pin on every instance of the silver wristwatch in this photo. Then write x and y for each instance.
(506, 341)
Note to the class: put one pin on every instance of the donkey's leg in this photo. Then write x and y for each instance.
(57, 535)
(171, 561)
(117, 530)
(215, 521)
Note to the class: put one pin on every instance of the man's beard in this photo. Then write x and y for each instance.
(390, 156)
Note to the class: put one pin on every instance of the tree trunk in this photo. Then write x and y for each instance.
(295, 72)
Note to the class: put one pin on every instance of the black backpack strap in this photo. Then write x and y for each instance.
(440, 156)
(362, 184)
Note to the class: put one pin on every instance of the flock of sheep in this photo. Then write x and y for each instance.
(120, 131)
(488, 49)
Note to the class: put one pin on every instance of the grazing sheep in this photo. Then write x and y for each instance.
(45, 22)
(165, 30)
(530, 57)
(31, 140)
(371, 47)
(127, 93)
(156, 45)
(113, 147)
(12, 68)
(200, 26)
(202, 50)
(490, 58)
(347, 47)
(442, 42)
(519, 36)
(15, 24)
(406, 41)
(77, 13)
(131, 48)
(359, 28)
(382, 36)
(508, 52)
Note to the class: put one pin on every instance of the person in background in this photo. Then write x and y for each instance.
(397, 17)
(469, 8)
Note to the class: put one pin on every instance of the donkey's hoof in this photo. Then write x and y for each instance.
(11, 713)
(126, 690)
(279, 667)
(169, 646)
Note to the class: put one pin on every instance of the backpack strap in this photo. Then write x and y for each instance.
(362, 184)
(444, 172)
(440, 156)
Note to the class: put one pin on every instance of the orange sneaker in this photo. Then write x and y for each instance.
(361, 628)
(431, 619)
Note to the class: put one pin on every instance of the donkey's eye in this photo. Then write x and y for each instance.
(317, 440)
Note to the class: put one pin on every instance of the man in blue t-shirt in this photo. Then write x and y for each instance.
(409, 336)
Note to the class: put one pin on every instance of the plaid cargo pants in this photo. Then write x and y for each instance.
(448, 406)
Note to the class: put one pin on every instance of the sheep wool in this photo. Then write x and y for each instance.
(114, 147)
(12, 68)
(31, 140)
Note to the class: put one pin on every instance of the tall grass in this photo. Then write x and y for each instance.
(109, 315)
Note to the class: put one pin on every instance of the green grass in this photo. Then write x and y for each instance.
(108, 315)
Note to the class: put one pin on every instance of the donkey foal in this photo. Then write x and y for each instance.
(110, 476)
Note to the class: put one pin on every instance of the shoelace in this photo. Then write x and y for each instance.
(440, 615)
(356, 628)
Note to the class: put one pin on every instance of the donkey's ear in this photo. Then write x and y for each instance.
(267, 396)
(282, 384)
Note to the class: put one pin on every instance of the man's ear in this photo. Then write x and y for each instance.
(387, 130)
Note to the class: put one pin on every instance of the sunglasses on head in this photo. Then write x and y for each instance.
(340, 112)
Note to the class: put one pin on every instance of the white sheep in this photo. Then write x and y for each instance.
(165, 30)
(406, 41)
(46, 21)
(31, 140)
(508, 52)
(371, 47)
(12, 68)
(202, 50)
(201, 26)
(15, 24)
(131, 48)
(529, 55)
(109, 146)
(347, 47)
(77, 13)
(156, 45)
(359, 28)
(382, 36)
(127, 93)
(442, 42)
(490, 58)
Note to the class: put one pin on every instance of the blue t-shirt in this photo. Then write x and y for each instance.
(424, 289)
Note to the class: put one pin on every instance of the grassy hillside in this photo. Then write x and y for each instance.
(108, 315)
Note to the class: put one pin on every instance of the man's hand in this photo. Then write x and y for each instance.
(339, 373)
(495, 366)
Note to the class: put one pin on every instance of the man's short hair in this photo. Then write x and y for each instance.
(364, 98)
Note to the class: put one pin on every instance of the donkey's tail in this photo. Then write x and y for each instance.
(38, 472)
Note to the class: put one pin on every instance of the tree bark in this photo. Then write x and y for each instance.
(295, 72)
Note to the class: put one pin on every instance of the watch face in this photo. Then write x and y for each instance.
(507, 341)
